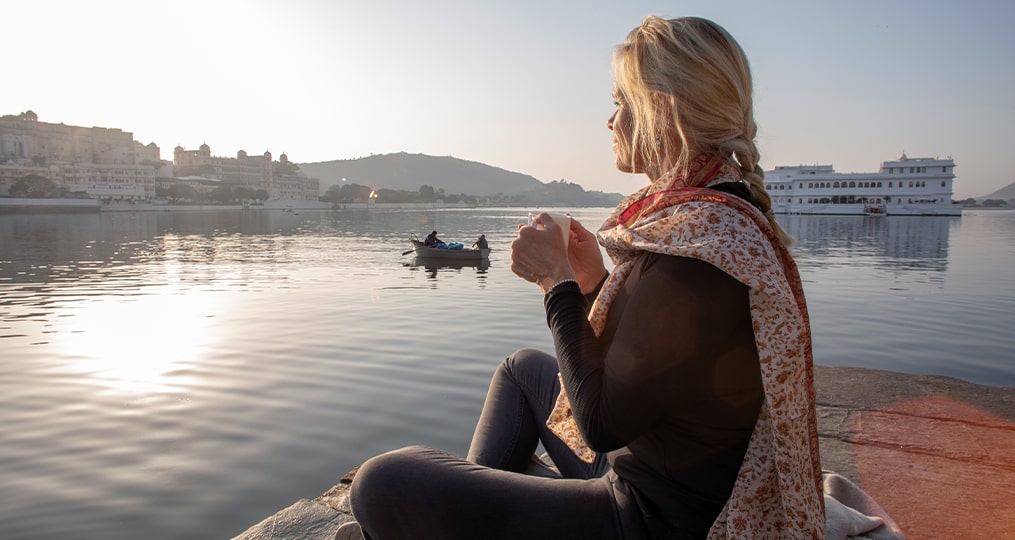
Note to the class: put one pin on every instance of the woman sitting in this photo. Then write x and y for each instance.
(680, 402)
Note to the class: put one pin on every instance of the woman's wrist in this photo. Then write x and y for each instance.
(593, 284)
(547, 284)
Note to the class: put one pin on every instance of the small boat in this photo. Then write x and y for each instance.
(423, 251)
(874, 209)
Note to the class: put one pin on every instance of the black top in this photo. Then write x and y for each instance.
(671, 389)
(739, 189)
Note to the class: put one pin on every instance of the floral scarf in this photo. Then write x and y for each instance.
(778, 491)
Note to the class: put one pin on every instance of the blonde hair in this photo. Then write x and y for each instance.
(687, 85)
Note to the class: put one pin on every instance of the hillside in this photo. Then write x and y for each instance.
(408, 172)
(1006, 193)
(404, 171)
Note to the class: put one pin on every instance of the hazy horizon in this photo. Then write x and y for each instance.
(523, 86)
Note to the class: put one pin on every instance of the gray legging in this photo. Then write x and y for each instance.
(419, 492)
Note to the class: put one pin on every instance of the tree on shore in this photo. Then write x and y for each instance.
(183, 192)
(347, 193)
(560, 193)
(36, 187)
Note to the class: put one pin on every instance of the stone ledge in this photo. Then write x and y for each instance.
(935, 453)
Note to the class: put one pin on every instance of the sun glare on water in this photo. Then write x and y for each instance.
(141, 344)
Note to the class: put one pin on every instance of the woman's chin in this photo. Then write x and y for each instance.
(625, 167)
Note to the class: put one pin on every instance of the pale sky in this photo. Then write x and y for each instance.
(523, 85)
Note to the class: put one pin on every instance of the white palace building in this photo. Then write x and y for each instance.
(906, 186)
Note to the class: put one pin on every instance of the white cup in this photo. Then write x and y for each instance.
(563, 220)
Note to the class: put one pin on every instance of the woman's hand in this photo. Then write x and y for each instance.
(585, 258)
(539, 254)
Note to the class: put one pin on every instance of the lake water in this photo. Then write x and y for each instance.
(187, 374)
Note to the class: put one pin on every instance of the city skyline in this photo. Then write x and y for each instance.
(524, 87)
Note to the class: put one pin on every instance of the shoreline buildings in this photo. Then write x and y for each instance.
(905, 186)
(109, 165)
(102, 162)
(280, 179)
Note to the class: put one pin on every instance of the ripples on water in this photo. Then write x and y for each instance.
(184, 375)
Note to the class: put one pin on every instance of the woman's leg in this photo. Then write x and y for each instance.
(522, 392)
(421, 493)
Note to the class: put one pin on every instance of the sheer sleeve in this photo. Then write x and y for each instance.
(670, 334)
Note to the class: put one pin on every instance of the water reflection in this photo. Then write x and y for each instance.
(896, 243)
(45, 248)
(435, 266)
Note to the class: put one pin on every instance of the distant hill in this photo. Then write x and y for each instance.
(1005, 194)
(407, 172)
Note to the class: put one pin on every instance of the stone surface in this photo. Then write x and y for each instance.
(934, 452)
(304, 520)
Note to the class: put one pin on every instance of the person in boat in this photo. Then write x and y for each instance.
(481, 243)
(680, 401)
(431, 240)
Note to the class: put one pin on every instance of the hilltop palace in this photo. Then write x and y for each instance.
(906, 186)
(109, 165)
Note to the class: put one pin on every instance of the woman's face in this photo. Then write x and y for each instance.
(621, 126)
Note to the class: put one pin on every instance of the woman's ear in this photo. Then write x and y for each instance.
(663, 105)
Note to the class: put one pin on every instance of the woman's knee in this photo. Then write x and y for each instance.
(379, 476)
(527, 361)
(398, 483)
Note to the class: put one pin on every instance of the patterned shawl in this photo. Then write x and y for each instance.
(778, 491)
